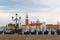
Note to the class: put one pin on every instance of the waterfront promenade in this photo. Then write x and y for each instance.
(29, 37)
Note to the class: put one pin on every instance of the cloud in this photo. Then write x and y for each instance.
(24, 4)
(44, 10)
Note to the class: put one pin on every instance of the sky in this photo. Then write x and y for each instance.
(45, 10)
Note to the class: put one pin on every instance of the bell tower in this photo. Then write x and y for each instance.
(27, 21)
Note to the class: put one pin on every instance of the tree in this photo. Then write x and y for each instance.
(11, 24)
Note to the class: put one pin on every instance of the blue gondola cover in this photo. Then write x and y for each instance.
(33, 31)
(40, 31)
(57, 30)
(1, 31)
(52, 31)
(46, 32)
(26, 31)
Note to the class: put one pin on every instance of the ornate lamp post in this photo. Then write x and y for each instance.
(16, 20)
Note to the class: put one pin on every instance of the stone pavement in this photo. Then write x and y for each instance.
(29, 37)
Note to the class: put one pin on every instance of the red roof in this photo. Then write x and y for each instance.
(51, 26)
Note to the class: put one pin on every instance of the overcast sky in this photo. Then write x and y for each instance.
(45, 10)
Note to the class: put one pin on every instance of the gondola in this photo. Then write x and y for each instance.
(8, 31)
(33, 31)
(1, 31)
(58, 31)
(40, 32)
(26, 31)
(19, 31)
(46, 32)
(52, 31)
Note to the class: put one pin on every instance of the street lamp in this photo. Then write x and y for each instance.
(16, 20)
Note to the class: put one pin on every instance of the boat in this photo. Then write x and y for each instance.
(46, 31)
(33, 31)
(40, 31)
(26, 31)
(52, 31)
(1, 30)
(19, 31)
(57, 31)
(8, 31)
